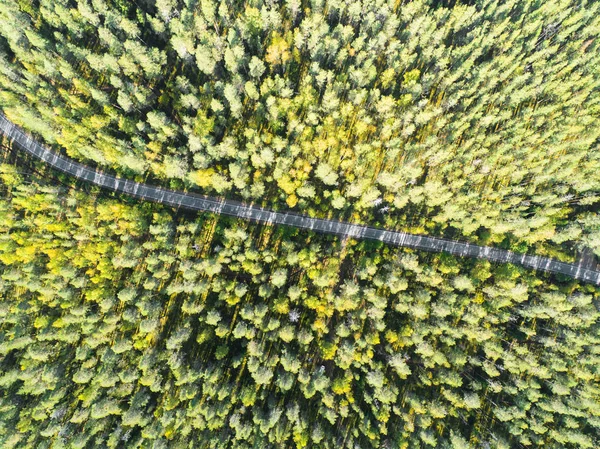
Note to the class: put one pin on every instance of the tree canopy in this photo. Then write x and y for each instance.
(131, 325)
(477, 118)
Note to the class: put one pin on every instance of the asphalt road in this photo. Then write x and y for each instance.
(196, 202)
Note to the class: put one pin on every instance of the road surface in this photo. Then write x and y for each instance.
(195, 202)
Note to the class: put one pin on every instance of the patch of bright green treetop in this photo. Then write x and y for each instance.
(127, 325)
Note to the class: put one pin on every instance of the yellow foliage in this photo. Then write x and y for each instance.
(41, 322)
(350, 397)
(232, 300)
(56, 227)
(373, 339)
(98, 121)
(80, 86)
(322, 309)
(59, 323)
(282, 305)
(312, 302)
(149, 155)
(328, 350)
(286, 184)
(478, 298)
(391, 337)
(8, 258)
(367, 356)
(383, 415)
(292, 200)
(10, 179)
(319, 325)
(155, 146)
(406, 331)
(26, 254)
(202, 178)
(341, 385)
(301, 439)
(279, 50)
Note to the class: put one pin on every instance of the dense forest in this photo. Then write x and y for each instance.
(476, 119)
(126, 324)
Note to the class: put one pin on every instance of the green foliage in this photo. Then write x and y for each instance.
(167, 351)
(475, 119)
(126, 325)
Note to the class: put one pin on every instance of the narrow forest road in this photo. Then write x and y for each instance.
(236, 209)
